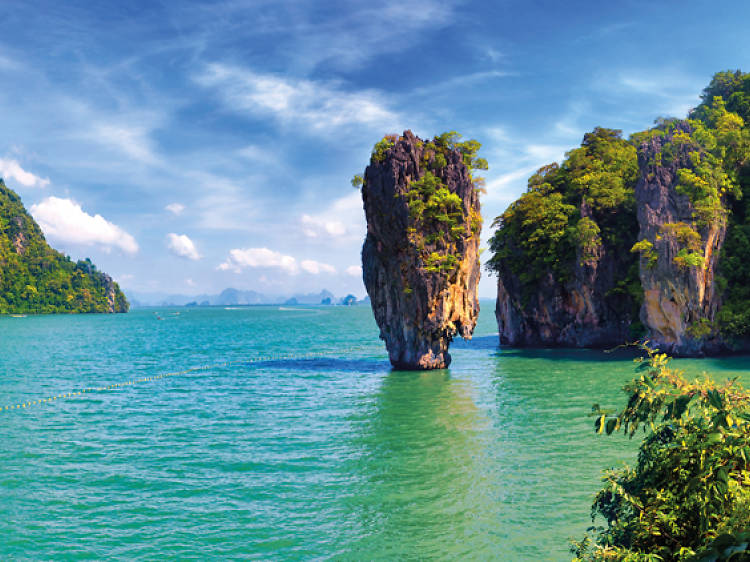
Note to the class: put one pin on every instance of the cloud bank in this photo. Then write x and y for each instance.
(241, 258)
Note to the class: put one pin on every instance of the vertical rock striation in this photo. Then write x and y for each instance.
(420, 257)
(680, 298)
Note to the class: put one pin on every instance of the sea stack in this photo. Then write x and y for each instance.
(420, 257)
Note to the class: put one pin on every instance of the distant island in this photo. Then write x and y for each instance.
(644, 237)
(237, 297)
(36, 279)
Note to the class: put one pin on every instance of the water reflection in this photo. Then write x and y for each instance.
(423, 469)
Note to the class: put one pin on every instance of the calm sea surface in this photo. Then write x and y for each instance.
(310, 458)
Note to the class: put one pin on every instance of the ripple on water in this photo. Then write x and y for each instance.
(336, 456)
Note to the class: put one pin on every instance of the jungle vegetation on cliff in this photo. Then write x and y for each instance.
(584, 210)
(35, 278)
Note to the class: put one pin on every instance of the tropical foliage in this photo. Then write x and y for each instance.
(688, 497)
(438, 221)
(570, 210)
(553, 226)
(34, 278)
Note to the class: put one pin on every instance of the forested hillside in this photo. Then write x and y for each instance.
(35, 278)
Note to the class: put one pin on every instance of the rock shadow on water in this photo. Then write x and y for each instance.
(323, 364)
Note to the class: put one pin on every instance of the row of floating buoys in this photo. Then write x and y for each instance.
(272, 357)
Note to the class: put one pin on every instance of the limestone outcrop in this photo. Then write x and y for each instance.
(420, 257)
(680, 299)
(582, 311)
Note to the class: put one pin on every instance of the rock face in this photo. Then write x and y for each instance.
(678, 300)
(580, 312)
(675, 289)
(420, 257)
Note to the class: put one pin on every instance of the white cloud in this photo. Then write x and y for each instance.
(11, 169)
(175, 208)
(316, 267)
(132, 140)
(64, 220)
(182, 246)
(318, 106)
(344, 218)
(313, 227)
(354, 270)
(240, 258)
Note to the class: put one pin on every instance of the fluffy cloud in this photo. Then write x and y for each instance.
(354, 271)
(240, 258)
(11, 169)
(316, 267)
(319, 106)
(315, 226)
(344, 218)
(182, 246)
(175, 208)
(64, 220)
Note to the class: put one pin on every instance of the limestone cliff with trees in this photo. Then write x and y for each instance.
(34, 278)
(645, 237)
(420, 259)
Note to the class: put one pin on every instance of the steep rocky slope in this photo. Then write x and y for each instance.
(626, 238)
(566, 274)
(680, 296)
(420, 257)
(35, 278)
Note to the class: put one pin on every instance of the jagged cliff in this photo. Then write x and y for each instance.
(626, 238)
(420, 257)
(34, 278)
(562, 251)
(679, 297)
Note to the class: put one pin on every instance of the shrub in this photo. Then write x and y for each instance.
(690, 488)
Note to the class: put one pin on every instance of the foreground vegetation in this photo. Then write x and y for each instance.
(688, 497)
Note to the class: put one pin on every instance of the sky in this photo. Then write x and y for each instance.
(187, 147)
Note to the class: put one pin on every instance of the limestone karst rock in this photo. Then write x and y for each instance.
(677, 297)
(562, 254)
(420, 257)
(644, 238)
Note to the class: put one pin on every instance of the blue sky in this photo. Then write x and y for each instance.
(190, 146)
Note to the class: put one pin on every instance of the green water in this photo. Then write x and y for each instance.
(336, 457)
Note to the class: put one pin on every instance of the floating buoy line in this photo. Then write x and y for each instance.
(225, 364)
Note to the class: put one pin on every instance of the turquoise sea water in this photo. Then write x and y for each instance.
(311, 458)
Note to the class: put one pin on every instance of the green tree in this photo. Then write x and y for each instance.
(691, 483)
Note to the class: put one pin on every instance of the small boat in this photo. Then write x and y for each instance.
(18, 316)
